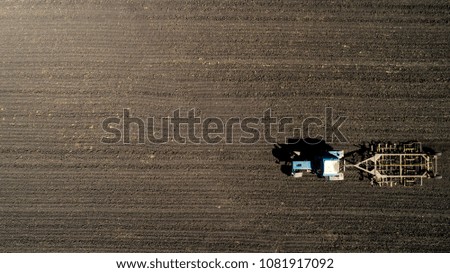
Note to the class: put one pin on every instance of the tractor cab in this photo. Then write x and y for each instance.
(328, 164)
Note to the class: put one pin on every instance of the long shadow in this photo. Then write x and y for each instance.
(298, 149)
(429, 150)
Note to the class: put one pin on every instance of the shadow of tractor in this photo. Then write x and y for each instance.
(298, 149)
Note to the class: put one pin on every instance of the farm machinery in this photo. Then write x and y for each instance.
(384, 163)
(328, 164)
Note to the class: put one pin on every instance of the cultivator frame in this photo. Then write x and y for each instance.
(389, 164)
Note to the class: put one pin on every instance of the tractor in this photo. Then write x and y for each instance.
(384, 163)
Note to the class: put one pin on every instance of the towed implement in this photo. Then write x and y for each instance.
(404, 164)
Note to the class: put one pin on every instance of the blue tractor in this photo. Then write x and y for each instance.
(327, 164)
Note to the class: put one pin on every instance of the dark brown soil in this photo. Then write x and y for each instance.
(65, 66)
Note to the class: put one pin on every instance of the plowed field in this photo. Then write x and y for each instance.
(67, 65)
